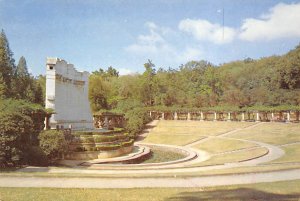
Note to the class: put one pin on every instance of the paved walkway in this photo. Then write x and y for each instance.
(149, 182)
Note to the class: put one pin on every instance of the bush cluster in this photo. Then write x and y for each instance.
(21, 122)
(135, 121)
(53, 143)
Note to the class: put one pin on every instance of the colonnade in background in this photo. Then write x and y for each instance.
(279, 116)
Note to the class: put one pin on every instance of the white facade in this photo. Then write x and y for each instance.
(67, 95)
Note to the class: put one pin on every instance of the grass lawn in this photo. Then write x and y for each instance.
(288, 190)
(159, 155)
(218, 145)
(184, 132)
(292, 154)
(272, 133)
(173, 140)
(235, 157)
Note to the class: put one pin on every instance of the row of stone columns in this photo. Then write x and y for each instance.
(229, 116)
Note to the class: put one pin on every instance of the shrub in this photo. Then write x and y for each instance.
(38, 156)
(135, 121)
(53, 143)
(20, 124)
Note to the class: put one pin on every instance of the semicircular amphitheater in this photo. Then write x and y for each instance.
(193, 148)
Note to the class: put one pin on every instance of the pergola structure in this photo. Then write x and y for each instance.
(108, 120)
(257, 116)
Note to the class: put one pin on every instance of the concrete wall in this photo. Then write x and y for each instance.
(67, 94)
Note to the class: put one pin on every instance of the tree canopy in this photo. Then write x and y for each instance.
(270, 81)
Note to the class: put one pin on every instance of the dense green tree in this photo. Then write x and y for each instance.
(22, 81)
(98, 91)
(147, 83)
(22, 70)
(20, 124)
(111, 72)
(106, 75)
(6, 64)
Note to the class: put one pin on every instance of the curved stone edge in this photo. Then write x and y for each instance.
(192, 156)
(142, 152)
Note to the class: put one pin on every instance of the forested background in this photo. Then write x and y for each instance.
(271, 81)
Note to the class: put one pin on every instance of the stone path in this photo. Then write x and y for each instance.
(149, 182)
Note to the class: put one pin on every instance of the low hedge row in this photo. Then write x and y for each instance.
(111, 138)
(86, 139)
(89, 133)
(107, 147)
(102, 138)
(128, 143)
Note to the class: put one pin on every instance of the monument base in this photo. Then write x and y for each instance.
(72, 125)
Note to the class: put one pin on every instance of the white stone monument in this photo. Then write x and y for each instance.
(67, 95)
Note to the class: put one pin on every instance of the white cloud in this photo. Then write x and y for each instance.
(282, 21)
(125, 71)
(189, 54)
(151, 43)
(155, 45)
(204, 30)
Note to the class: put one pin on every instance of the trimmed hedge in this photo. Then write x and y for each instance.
(108, 147)
(100, 138)
(83, 133)
(86, 139)
(127, 144)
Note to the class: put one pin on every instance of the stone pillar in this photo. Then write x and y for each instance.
(189, 116)
(243, 116)
(229, 116)
(257, 117)
(215, 117)
(288, 116)
(297, 115)
(46, 123)
(163, 116)
(175, 116)
(272, 117)
(201, 116)
(106, 123)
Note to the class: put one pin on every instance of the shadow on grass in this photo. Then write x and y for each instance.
(140, 137)
(232, 195)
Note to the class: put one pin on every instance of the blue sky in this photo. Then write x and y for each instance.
(125, 34)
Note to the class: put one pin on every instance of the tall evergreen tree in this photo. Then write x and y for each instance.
(22, 81)
(2, 87)
(6, 64)
(22, 70)
(148, 82)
